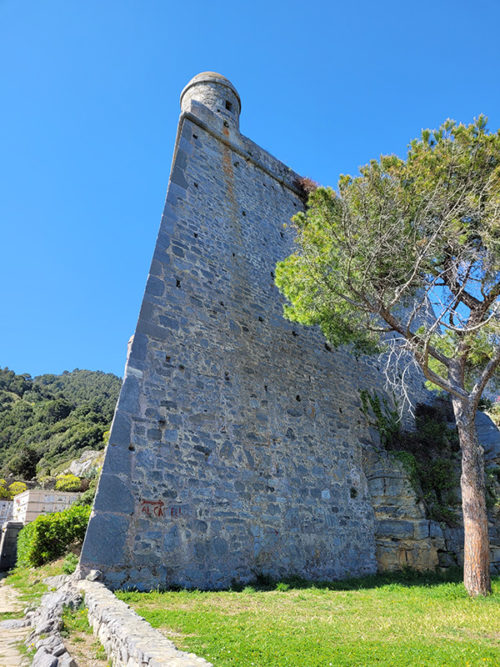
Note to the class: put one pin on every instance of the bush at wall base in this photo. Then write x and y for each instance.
(49, 535)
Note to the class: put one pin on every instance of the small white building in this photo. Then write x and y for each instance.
(33, 502)
(6, 510)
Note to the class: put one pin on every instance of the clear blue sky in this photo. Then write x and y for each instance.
(89, 105)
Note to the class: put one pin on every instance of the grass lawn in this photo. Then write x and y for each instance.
(386, 620)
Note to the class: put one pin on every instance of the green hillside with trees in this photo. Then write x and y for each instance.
(50, 419)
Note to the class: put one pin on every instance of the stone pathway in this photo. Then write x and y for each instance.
(9, 637)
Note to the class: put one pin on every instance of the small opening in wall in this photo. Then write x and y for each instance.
(226, 376)
(327, 347)
(294, 334)
(297, 398)
(195, 235)
(340, 410)
(131, 448)
(221, 303)
(353, 492)
(261, 319)
(265, 387)
(282, 235)
(195, 185)
(243, 213)
(272, 274)
(195, 136)
(234, 255)
(226, 124)
(167, 358)
(181, 367)
(229, 106)
(177, 282)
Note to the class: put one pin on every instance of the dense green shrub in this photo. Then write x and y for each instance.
(87, 498)
(68, 483)
(16, 488)
(49, 535)
(70, 563)
(4, 491)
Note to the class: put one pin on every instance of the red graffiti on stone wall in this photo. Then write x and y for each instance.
(156, 508)
(153, 507)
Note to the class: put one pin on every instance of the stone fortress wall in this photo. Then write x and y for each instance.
(238, 441)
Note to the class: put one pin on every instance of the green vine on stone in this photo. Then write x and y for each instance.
(386, 420)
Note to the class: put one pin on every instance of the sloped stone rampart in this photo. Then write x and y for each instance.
(236, 445)
(128, 639)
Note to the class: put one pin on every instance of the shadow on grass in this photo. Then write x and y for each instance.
(406, 577)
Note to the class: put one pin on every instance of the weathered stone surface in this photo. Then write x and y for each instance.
(127, 638)
(238, 434)
(88, 463)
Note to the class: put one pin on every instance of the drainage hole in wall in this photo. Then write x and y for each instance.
(243, 213)
(131, 448)
(221, 303)
(282, 235)
(195, 136)
(229, 106)
(177, 282)
(272, 274)
(353, 492)
(195, 185)
(261, 319)
(327, 347)
(195, 235)
(181, 367)
(167, 358)
(294, 333)
(265, 387)
(297, 398)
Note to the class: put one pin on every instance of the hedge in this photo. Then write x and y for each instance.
(49, 535)
(68, 483)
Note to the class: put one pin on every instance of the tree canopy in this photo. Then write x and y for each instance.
(49, 419)
(405, 257)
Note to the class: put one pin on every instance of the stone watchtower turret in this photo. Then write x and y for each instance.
(235, 447)
(214, 92)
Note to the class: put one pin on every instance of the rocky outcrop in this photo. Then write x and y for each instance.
(404, 536)
(87, 465)
(46, 622)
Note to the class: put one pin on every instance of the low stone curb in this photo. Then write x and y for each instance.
(128, 639)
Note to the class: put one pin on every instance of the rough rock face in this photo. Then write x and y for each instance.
(404, 537)
(46, 621)
(88, 462)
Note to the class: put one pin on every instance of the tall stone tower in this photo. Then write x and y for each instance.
(235, 448)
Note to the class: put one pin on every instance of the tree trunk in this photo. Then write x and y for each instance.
(476, 543)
